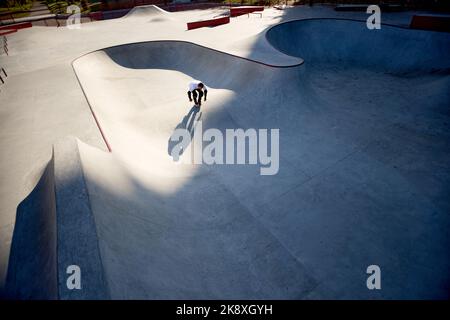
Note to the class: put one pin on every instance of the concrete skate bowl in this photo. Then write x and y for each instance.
(350, 43)
(363, 174)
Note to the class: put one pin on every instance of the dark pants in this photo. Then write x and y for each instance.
(197, 94)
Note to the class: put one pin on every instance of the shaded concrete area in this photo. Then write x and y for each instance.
(364, 153)
(33, 249)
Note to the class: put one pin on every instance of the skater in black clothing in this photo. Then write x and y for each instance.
(196, 91)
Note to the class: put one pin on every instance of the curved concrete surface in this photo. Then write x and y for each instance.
(33, 248)
(348, 42)
(363, 177)
(55, 229)
(364, 159)
(224, 252)
(150, 11)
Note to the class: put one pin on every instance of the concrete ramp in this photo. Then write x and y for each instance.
(150, 11)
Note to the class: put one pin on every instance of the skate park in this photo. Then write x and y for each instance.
(363, 177)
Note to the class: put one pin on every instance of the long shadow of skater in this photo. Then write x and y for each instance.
(175, 140)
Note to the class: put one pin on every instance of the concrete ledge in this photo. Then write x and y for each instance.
(208, 23)
(77, 236)
(5, 33)
(96, 15)
(32, 262)
(239, 11)
(16, 26)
